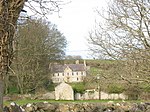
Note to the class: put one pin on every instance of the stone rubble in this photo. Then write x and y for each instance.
(79, 107)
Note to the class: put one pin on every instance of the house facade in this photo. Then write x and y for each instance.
(68, 73)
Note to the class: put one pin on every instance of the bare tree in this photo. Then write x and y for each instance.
(125, 36)
(9, 13)
(30, 64)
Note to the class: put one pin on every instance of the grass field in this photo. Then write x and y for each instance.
(22, 102)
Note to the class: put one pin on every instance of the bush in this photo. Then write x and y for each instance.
(13, 90)
(49, 85)
(115, 88)
(78, 87)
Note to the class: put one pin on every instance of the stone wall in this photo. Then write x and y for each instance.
(47, 96)
(64, 94)
(79, 107)
(103, 95)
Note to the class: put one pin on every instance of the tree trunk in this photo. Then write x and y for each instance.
(6, 83)
(1, 95)
(19, 83)
(9, 13)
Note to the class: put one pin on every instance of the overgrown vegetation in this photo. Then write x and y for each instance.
(78, 87)
(115, 88)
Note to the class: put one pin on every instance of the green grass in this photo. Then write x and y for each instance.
(22, 102)
(94, 71)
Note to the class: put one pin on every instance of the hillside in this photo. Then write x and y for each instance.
(98, 66)
(104, 69)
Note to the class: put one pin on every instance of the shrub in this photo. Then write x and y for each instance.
(13, 90)
(78, 87)
(49, 85)
(115, 88)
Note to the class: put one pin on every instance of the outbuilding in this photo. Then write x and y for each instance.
(64, 92)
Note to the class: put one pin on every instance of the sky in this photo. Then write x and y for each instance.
(75, 20)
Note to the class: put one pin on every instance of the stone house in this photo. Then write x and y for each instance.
(68, 72)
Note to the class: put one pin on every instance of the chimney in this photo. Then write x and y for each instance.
(77, 62)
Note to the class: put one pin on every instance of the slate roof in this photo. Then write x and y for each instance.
(73, 67)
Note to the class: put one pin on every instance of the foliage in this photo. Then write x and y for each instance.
(78, 87)
(49, 85)
(115, 88)
(94, 71)
(13, 90)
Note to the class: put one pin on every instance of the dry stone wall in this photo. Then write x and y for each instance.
(95, 95)
(79, 107)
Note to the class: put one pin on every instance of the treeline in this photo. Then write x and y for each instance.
(37, 42)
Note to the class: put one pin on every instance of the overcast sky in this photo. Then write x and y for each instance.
(76, 20)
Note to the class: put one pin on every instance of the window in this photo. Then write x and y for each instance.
(77, 78)
(63, 74)
(77, 73)
(72, 73)
(67, 73)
